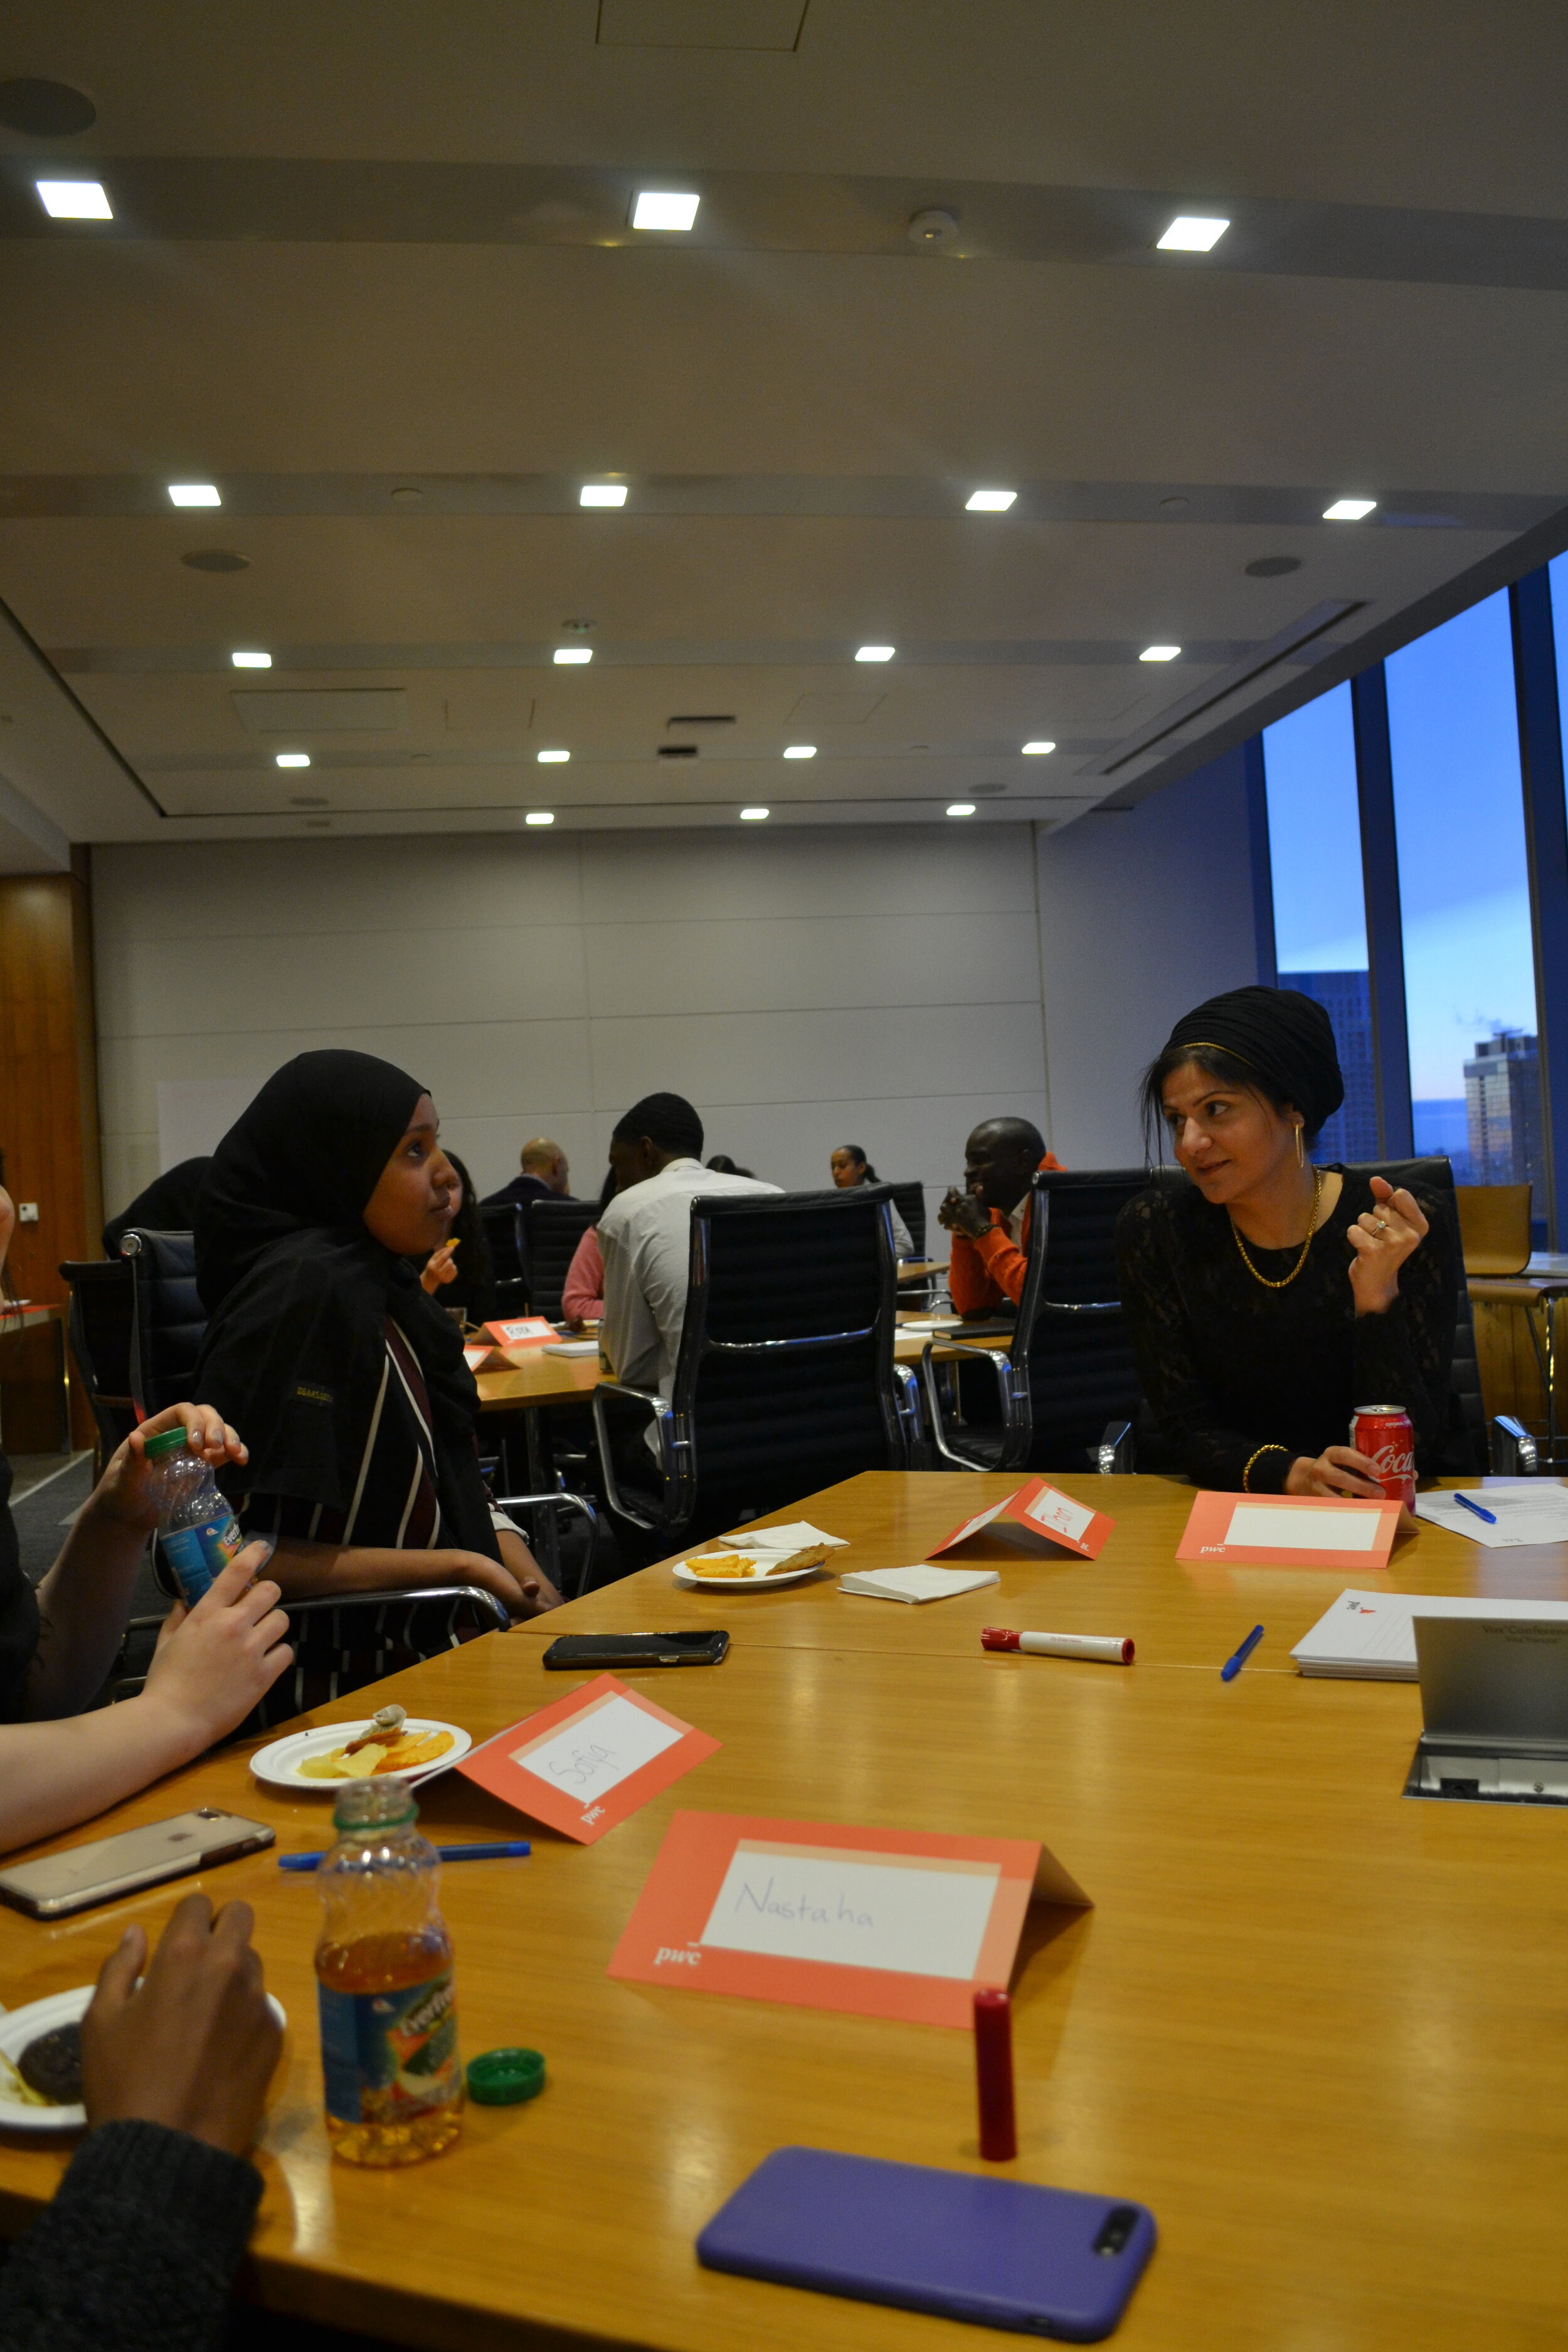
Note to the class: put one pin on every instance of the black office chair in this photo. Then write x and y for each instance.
(504, 1237)
(1507, 1448)
(909, 1200)
(785, 1380)
(1066, 1382)
(168, 1321)
(97, 1326)
(552, 1230)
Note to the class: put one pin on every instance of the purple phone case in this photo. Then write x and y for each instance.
(1003, 2253)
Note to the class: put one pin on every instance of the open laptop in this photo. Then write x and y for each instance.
(1494, 1701)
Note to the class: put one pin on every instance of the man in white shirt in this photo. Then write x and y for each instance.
(645, 1236)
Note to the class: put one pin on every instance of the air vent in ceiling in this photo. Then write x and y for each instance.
(702, 719)
(678, 751)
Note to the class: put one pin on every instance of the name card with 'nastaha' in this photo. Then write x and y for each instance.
(887, 1922)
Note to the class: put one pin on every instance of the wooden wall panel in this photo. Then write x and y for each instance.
(49, 1077)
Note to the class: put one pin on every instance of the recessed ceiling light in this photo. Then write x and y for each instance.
(661, 208)
(539, 816)
(1349, 510)
(1193, 233)
(960, 808)
(293, 759)
(1036, 749)
(753, 815)
(251, 661)
(800, 751)
(194, 494)
(74, 199)
(552, 759)
(602, 494)
(989, 502)
(572, 657)
(876, 652)
(1159, 653)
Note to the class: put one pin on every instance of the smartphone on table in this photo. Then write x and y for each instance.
(107, 1867)
(575, 1652)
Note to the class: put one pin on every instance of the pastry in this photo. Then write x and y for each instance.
(52, 2067)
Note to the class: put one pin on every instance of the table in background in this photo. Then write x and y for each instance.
(1317, 2027)
(34, 1380)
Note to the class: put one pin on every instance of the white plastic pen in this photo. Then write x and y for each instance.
(1111, 1650)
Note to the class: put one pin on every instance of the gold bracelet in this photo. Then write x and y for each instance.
(1253, 1457)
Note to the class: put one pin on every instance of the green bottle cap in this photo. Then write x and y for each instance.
(168, 1440)
(504, 2078)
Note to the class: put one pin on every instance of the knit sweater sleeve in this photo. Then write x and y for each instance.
(138, 2250)
(1180, 1399)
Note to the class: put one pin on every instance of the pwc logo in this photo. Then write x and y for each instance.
(667, 1952)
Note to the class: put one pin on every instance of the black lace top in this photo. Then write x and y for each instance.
(1227, 1366)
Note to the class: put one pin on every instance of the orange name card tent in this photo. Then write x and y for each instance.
(527, 1331)
(885, 1922)
(1041, 1510)
(1288, 1531)
(586, 1762)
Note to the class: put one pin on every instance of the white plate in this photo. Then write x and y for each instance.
(20, 2026)
(683, 1576)
(279, 1765)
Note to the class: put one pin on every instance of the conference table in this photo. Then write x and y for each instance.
(1319, 2029)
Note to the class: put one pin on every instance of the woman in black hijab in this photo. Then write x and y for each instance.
(348, 1379)
(1267, 1297)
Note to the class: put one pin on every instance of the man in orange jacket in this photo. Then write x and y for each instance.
(989, 1220)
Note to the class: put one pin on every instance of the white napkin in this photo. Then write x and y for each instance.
(917, 1583)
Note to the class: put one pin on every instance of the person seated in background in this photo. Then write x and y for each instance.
(167, 1206)
(459, 1275)
(989, 1220)
(1265, 1297)
(582, 1292)
(145, 2232)
(544, 1177)
(347, 1378)
(850, 1167)
(645, 1236)
(60, 1766)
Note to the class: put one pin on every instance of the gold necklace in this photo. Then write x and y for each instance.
(1286, 1280)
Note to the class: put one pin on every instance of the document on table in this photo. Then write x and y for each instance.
(1535, 1511)
(1371, 1636)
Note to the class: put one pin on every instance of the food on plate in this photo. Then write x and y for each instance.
(733, 1565)
(372, 1754)
(49, 2071)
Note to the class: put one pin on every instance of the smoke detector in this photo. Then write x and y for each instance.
(933, 227)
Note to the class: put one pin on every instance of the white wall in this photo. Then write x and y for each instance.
(803, 989)
(1144, 914)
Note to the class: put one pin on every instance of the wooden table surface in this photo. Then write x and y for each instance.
(1319, 2029)
(541, 1378)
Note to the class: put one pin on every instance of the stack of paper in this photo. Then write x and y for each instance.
(1529, 1511)
(1369, 1636)
(917, 1583)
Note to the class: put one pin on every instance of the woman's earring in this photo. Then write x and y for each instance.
(1301, 1160)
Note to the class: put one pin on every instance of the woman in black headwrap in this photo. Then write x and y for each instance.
(1268, 1297)
(348, 1381)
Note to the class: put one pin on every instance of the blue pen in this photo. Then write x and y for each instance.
(1232, 1666)
(446, 1853)
(1489, 1516)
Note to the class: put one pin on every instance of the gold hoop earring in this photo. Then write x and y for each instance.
(1301, 1160)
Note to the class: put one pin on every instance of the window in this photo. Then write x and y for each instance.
(1320, 913)
(1464, 893)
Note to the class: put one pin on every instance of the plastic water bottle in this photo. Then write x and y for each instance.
(199, 1531)
(383, 1981)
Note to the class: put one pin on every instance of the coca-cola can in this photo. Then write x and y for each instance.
(1383, 1433)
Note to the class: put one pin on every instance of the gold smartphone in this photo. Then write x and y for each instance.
(85, 1874)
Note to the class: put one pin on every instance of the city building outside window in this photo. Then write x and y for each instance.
(1464, 896)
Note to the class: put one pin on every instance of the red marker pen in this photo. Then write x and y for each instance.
(1111, 1649)
(994, 2075)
